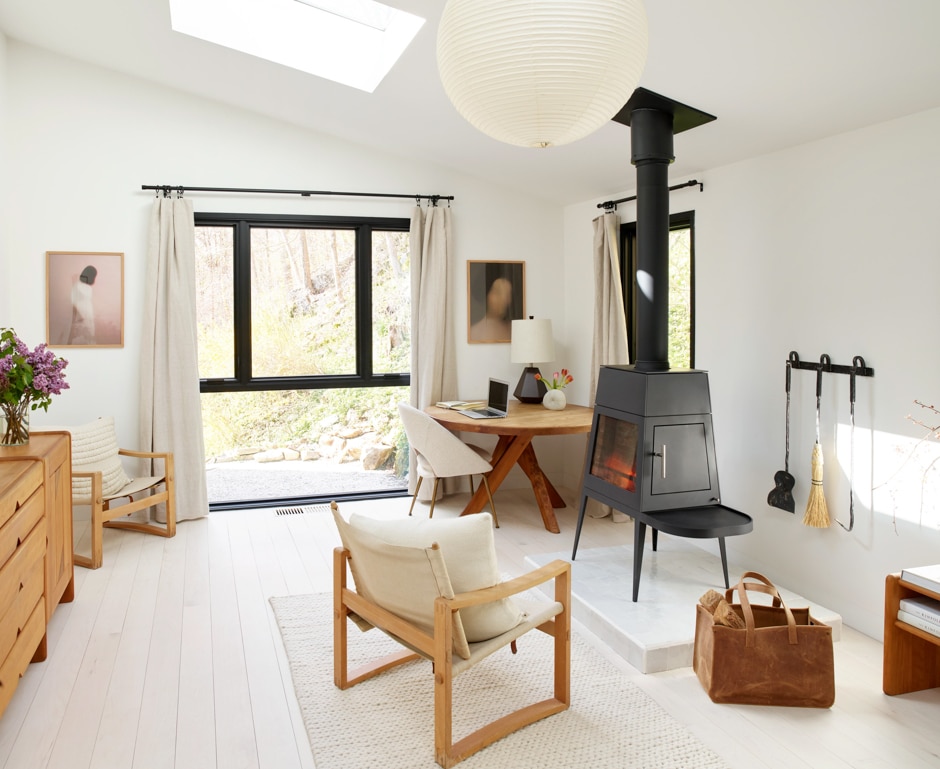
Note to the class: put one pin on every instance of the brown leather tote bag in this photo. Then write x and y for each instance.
(782, 656)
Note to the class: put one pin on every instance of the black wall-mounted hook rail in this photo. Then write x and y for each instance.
(858, 367)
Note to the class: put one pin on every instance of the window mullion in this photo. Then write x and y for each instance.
(242, 302)
(364, 301)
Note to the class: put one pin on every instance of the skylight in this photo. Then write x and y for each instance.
(353, 42)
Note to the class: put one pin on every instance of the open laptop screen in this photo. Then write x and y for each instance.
(498, 397)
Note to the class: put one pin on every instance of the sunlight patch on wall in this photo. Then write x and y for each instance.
(906, 478)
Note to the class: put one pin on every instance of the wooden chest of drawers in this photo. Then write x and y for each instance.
(35, 549)
(22, 558)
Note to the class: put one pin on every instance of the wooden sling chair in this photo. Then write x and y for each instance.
(433, 586)
(99, 481)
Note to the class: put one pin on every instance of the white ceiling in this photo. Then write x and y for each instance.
(777, 73)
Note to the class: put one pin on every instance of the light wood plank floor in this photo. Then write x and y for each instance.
(169, 658)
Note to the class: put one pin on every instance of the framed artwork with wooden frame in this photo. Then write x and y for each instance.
(84, 299)
(495, 298)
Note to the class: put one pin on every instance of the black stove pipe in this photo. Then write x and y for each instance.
(651, 141)
(653, 121)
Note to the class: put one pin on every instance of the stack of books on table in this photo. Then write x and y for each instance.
(460, 405)
(922, 612)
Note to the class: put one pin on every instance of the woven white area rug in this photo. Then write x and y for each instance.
(388, 721)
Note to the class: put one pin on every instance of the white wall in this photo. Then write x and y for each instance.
(829, 248)
(83, 140)
(4, 199)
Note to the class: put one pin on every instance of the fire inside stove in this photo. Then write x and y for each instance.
(615, 449)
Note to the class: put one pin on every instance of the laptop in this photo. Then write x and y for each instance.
(497, 402)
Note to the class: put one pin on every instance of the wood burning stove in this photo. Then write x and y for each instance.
(652, 447)
(651, 455)
(652, 444)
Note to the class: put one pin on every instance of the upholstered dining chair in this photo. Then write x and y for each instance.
(99, 480)
(441, 454)
(434, 587)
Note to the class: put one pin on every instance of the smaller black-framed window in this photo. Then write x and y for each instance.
(681, 287)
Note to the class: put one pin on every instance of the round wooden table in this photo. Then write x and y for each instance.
(515, 432)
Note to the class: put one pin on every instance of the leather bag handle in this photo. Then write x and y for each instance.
(758, 583)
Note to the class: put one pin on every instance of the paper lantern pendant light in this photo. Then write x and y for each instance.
(541, 73)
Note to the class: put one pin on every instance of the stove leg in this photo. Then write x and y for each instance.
(639, 535)
(724, 560)
(577, 531)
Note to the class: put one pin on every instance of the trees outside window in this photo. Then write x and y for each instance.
(304, 351)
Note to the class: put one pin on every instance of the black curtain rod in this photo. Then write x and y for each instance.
(168, 189)
(608, 204)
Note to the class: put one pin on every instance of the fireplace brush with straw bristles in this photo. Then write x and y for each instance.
(817, 513)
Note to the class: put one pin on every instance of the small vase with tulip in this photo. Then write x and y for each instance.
(554, 397)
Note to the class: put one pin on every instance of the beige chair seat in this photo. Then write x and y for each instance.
(136, 486)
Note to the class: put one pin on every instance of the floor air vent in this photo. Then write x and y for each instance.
(302, 510)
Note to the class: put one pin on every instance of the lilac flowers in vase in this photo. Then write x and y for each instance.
(28, 380)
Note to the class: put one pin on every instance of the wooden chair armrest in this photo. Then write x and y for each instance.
(527, 581)
(85, 474)
(145, 454)
(95, 496)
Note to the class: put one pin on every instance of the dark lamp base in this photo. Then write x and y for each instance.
(529, 389)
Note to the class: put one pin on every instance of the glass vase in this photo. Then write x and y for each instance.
(14, 424)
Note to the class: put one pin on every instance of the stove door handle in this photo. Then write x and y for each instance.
(663, 455)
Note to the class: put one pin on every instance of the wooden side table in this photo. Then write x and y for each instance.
(911, 656)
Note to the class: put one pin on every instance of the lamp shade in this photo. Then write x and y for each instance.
(532, 341)
(541, 73)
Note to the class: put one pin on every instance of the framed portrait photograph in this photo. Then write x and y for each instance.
(495, 298)
(84, 299)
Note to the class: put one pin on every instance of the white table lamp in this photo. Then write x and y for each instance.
(532, 342)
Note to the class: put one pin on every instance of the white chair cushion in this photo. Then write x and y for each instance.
(403, 580)
(94, 448)
(469, 551)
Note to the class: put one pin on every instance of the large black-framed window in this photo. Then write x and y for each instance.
(304, 351)
(243, 376)
(681, 287)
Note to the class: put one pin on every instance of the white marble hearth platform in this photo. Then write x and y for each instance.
(657, 632)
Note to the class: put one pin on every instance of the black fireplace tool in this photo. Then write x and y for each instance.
(857, 362)
(782, 494)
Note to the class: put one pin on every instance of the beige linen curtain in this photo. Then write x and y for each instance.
(170, 413)
(610, 320)
(433, 357)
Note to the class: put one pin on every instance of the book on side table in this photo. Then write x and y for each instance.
(922, 612)
(927, 577)
(926, 608)
(919, 622)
